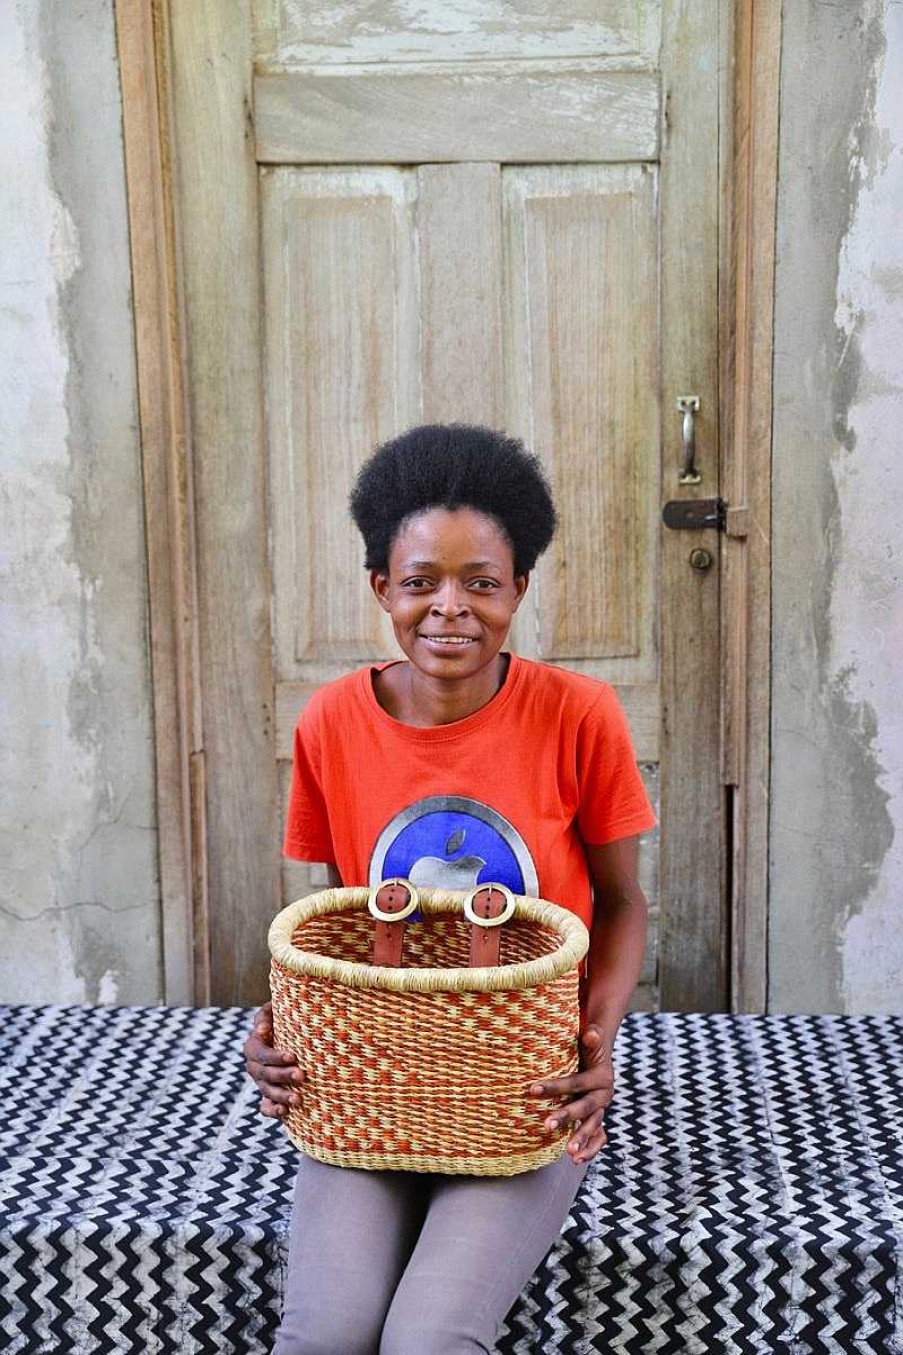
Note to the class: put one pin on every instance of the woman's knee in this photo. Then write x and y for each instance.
(422, 1333)
(339, 1338)
(429, 1343)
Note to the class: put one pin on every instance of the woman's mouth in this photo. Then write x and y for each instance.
(450, 640)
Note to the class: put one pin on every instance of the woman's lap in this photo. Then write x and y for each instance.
(399, 1263)
(351, 1235)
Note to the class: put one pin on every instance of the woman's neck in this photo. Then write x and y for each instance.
(414, 698)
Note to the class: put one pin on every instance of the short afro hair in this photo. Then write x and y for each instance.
(453, 466)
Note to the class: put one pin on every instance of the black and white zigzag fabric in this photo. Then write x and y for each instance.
(750, 1199)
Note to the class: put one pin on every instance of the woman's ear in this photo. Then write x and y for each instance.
(521, 584)
(379, 583)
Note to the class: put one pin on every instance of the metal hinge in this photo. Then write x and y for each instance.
(696, 515)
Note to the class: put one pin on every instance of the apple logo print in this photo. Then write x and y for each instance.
(453, 842)
(452, 872)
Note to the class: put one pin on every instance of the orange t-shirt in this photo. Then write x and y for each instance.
(511, 793)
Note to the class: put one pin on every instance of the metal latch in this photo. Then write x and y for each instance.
(695, 514)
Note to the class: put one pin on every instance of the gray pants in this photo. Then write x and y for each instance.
(401, 1263)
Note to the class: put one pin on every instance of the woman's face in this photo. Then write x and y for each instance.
(450, 590)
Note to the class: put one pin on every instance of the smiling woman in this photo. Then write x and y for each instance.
(451, 591)
(460, 764)
(453, 519)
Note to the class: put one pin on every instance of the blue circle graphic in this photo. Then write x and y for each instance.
(452, 850)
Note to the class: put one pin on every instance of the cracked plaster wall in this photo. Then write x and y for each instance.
(79, 917)
(79, 905)
(835, 940)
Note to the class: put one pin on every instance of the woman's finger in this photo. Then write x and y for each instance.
(589, 1139)
(259, 1051)
(576, 1083)
(259, 1043)
(571, 1086)
(262, 1023)
(586, 1129)
(581, 1109)
(275, 1072)
(265, 1075)
(281, 1085)
(283, 1095)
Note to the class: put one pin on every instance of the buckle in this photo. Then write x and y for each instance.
(488, 890)
(384, 893)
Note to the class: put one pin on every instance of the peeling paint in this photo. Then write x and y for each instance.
(446, 30)
(867, 603)
(106, 543)
(108, 989)
(79, 913)
(831, 826)
(64, 252)
(39, 587)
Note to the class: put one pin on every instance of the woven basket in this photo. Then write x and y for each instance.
(427, 1067)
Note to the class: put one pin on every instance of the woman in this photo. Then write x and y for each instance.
(460, 763)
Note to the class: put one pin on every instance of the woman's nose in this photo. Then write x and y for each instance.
(450, 599)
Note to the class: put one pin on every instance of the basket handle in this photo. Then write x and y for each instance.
(486, 908)
(390, 902)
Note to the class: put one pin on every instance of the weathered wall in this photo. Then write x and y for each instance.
(836, 943)
(79, 915)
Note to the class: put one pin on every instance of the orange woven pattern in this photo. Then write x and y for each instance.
(425, 1081)
(436, 943)
(433, 1079)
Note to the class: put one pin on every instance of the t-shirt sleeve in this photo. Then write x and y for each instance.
(307, 832)
(613, 799)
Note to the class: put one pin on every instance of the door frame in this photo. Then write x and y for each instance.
(201, 750)
(144, 50)
(750, 189)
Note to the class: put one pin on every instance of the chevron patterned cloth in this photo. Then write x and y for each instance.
(749, 1200)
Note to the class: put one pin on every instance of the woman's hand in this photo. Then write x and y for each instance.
(589, 1091)
(277, 1075)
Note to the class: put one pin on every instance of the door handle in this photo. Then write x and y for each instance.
(695, 515)
(688, 406)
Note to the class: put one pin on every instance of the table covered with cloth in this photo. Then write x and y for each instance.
(749, 1198)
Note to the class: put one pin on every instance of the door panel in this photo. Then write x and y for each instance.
(459, 241)
(408, 116)
(582, 343)
(296, 32)
(342, 372)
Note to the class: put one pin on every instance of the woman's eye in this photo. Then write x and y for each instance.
(483, 585)
(417, 585)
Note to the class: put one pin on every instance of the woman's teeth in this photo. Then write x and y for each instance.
(449, 639)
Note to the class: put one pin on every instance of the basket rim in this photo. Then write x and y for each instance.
(574, 943)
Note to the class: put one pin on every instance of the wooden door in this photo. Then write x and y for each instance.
(503, 217)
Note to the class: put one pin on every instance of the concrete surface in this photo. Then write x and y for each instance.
(836, 867)
(79, 910)
(79, 907)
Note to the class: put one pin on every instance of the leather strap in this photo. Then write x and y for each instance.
(485, 941)
(388, 937)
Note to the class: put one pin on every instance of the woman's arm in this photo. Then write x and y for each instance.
(617, 941)
(616, 949)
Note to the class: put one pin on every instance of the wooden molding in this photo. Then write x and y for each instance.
(747, 309)
(143, 42)
(693, 965)
(393, 115)
(216, 186)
